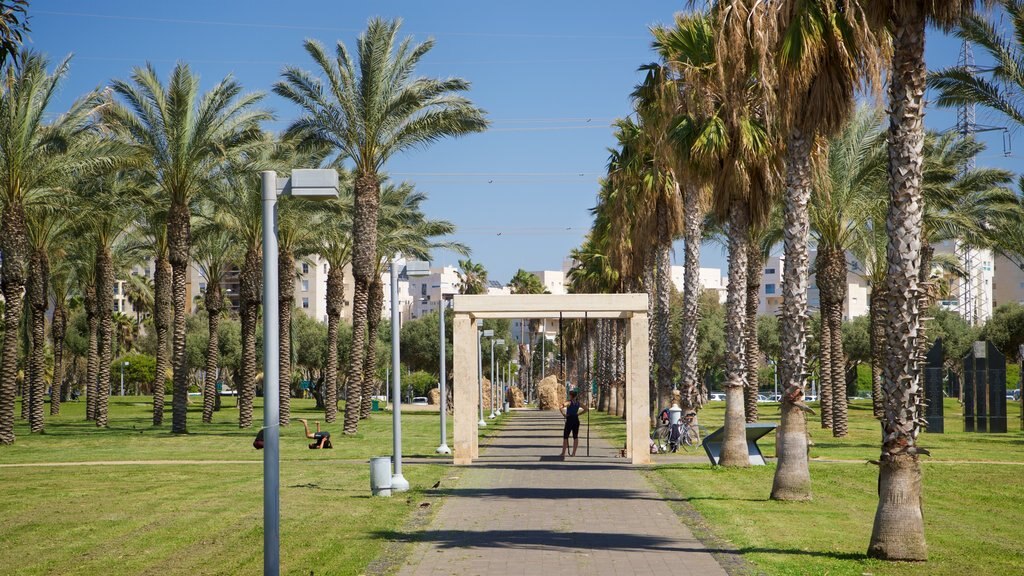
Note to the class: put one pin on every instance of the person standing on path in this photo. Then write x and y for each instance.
(571, 411)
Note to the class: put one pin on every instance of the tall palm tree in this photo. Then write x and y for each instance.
(688, 49)
(843, 200)
(45, 225)
(216, 253)
(525, 283)
(472, 277)
(152, 226)
(747, 152)
(898, 531)
(13, 25)
(820, 53)
(404, 229)
(35, 157)
(368, 113)
(185, 138)
(61, 292)
(334, 245)
(109, 204)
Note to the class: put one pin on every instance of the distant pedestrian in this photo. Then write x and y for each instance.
(320, 439)
(571, 411)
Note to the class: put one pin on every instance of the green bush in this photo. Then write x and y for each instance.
(421, 382)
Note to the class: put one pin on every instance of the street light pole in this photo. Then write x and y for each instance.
(495, 388)
(271, 415)
(480, 370)
(311, 184)
(123, 364)
(443, 448)
(398, 482)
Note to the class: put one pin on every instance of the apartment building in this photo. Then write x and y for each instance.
(857, 289)
(711, 280)
(1007, 282)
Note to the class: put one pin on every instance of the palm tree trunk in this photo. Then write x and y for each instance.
(649, 286)
(831, 280)
(335, 303)
(14, 247)
(250, 286)
(898, 531)
(105, 333)
(692, 231)
(364, 264)
(354, 386)
(664, 292)
(162, 323)
(93, 361)
(734, 445)
(58, 330)
(374, 309)
(179, 228)
(285, 300)
(792, 479)
(602, 374)
(213, 310)
(877, 348)
(755, 262)
(37, 291)
(825, 368)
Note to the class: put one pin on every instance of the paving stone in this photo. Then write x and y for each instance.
(520, 510)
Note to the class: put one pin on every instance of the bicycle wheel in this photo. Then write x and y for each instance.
(690, 436)
(661, 437)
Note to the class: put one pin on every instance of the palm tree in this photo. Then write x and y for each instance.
(185, 138)
(525, 283)
(746, 150)
(61, 291)
(472, 277)
(35, 157)
(840, 206)
(898, 531)
(368, 115)
(216, 254)
(152, 226)
(688, 49)
(45, 225)
(402, 229)
(334, 245)
(138, 290)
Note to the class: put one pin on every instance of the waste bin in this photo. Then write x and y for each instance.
(375, 405)
(506, 407)
(380, 476)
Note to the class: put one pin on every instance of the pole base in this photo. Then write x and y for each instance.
(399, 483)
(491, 416)
(497, 412)
(482, 423)
(443, 449)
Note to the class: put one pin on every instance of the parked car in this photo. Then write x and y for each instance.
(1013, 395)
(810, 398)
(717, 397)
(775, 397)
(420, 400)
(762, 398)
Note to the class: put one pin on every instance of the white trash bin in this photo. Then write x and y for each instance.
(380, 476)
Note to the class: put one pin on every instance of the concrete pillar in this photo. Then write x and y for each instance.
(637, 387)
(465, 392)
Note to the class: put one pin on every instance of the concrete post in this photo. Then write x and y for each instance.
(465, 366)
(637, 397)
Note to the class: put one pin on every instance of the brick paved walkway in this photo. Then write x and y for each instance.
(522, 511)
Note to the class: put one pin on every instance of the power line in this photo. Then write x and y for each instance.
(265, 25)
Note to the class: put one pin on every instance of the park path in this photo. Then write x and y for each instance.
(521, 510)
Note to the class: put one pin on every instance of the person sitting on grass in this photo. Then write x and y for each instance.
(320, 439)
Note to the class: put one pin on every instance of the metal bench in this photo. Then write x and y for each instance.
(713, 443)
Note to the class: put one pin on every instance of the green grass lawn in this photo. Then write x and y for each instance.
(972, 509)
(199, 518)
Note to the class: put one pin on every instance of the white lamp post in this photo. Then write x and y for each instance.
(495, 407)
(442, 385)
(310, 184)
(480, 370)
(123, 364)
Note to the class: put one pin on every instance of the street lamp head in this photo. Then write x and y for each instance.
(488, 333)
(126, 363)
(500, 342)
(316, 183)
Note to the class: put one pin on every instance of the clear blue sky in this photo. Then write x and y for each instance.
(552, 75)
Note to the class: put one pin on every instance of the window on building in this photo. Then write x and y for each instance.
(769, 288)
(116, 286)
(769, 270)
(325, 268)
(305, 303)
(202, 287)
(423, 292)
(305, 285)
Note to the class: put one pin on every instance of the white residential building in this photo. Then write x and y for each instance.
(427, 291)
(971, 295)
(711, 280)
(1007, 283)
